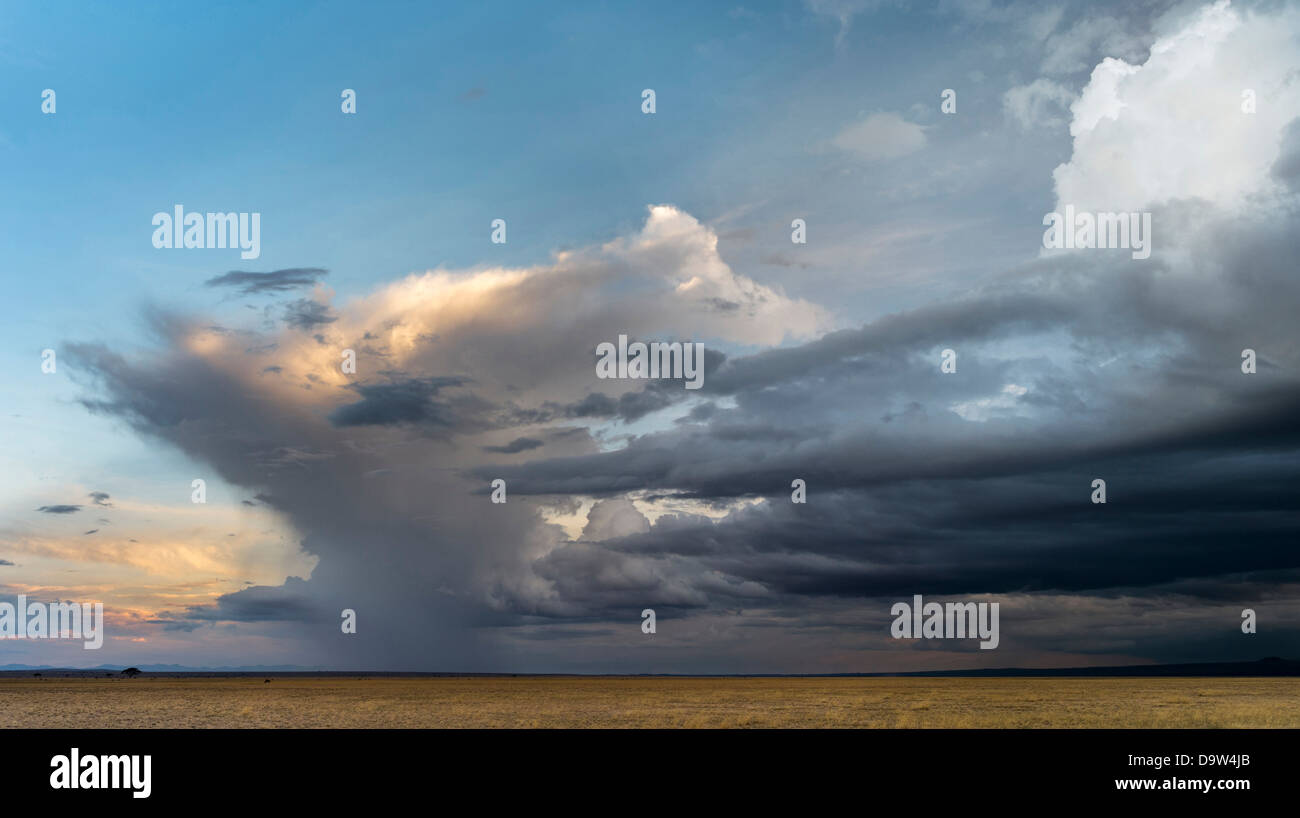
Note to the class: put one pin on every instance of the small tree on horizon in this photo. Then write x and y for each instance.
(131, 672)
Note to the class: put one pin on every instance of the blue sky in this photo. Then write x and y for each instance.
(156, 106)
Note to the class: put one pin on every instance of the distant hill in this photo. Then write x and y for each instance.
(12, 668)
(1272, 666)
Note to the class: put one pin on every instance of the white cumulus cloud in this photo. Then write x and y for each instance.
(1173, 127)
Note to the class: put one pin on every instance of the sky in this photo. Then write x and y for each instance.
(923, 219)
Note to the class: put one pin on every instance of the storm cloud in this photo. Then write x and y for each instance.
(976, 483)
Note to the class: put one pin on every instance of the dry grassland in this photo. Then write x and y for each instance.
(648, 702)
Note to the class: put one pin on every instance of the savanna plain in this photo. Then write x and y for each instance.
(649, 702)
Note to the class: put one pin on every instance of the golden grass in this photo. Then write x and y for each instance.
(649, 702)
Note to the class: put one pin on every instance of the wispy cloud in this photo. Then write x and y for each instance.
(273, 282)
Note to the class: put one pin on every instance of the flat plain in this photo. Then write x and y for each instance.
(653, 702)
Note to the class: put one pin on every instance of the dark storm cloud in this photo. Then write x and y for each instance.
(967, 484)
(731, 457)
(879, 346)
(257, 603)
(5, 562)
(100, 498)
(519, 444)
(1017, 534)
(274, 282)
(59, 509)
(410, 401)
(305, 314)
(628, 406)
(905, 496)
(408, 576)
(815, 409)
(1286, 169)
